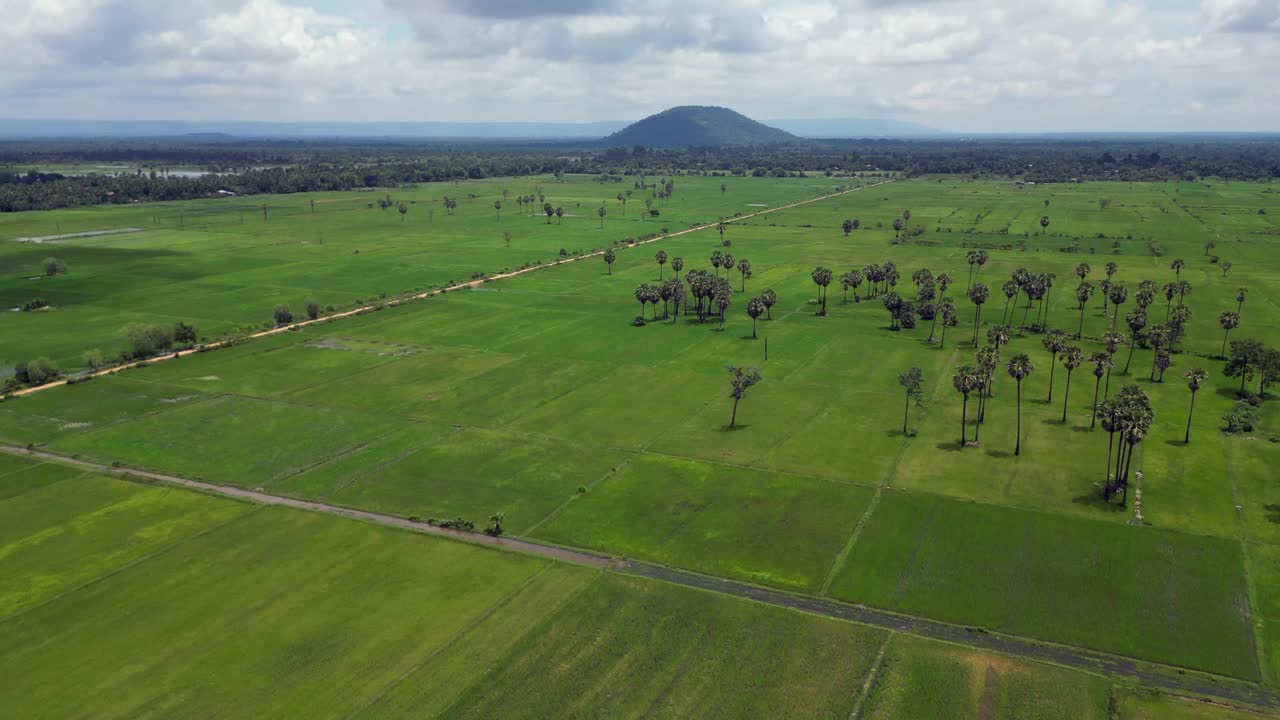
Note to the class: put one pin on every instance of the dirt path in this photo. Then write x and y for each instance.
(1174, 680)
(432, 293)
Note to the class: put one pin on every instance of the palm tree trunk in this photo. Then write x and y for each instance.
(733, 419)
(1225, 335)
(977, 318)
(906, 409)
(977, 426)
(942, 342)
(1025, 310)
(1017, 448)
(933, 326)
(1106, 486)
(1005, 312)
(1106, 393)
(964, 420)
(1053, 359)
(753, 328)
(1066, 396)
(1130, 358)
(1093, 421)
(1080, 327)
(1186, 440)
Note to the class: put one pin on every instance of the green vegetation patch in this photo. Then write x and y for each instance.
(1163, 596)
(759, 526)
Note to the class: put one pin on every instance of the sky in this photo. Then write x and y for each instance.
(955, 65)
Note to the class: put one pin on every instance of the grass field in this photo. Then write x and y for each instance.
(198, 606)
(223, 264)
(537, 397)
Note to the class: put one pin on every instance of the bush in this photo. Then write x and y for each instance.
(282, 314)
(639, 321)
(93, 359)
(313, 309)
(145, 340)
(184, 333)
(564, 253)
(41, 370)
(54, 266)
(35, 304)
(1242, 418)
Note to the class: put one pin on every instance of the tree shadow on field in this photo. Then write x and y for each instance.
(999, 454)
(1081, 428)
(1175, 442)
(739, 426)
(1093, 499)
(1273, 512)
(953, 446)
(1054, 422)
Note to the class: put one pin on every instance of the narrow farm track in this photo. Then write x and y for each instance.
(1174, 680)
(432, 293)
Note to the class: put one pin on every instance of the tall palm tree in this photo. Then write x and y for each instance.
(971, 257)
(601, 212)
(1044, 224)
(609, 257)
(978, 295)
(1010, 290)
(1083, 270)
(912, 381)
(661, 258)
(822, 278)
(1055, 342)
(1117, 295)
(717, 259)
(1019, 368)
(847, 226)
(1072, 358)
(1159, 339)
(947, 309)
(559, 216)
(1229, 321)
(1101, 365)
(755, 309)
(964, 381)
(1111, 342)
(744, 268)
(1195, 377)
(1176, 266)
(1136, 320)
(1241, 295)
(769, 298)
(988, 360)
(1083, 292)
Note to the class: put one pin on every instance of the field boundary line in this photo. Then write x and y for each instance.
(1184, 680)
(1251, 592)
(527, 547)
(162, 550)
(872, 675)
(559, 509)
(452, 640)
(373, 307)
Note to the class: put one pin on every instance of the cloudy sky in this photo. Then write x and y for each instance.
(957, 65)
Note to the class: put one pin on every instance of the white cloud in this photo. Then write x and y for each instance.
(965, 65)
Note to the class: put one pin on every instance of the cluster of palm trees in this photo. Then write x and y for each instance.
(1129, 415)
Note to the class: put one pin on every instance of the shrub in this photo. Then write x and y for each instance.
(93, 359)
(145, 340)
(54, 266)
(564, 253)
(282, 314)
(34, 304)
(41, 370)
(313, 309)
(1242, 418)
(639, 321)
(184, 333)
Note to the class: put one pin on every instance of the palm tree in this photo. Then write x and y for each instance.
(847, 226)
(744, 267)
(1158, 339)
(548, 211)
(947, 309)
(559, 216)
(988, 359)
(1195, 377)
(1241, 295)
(677, 264)
(727, 263)
(1072, 358)
(1117, 295)
(601, 212)
(1176, 266)
(912, 380)
(1044, 224)
(978, 295)
(982, 259)
(1111, 342)
(971, 257)
(661, 257)
(723, 187)
(1082, 271)
(897, 227)
(717, 259)
(965, 381)
(769, 298)
(822, 278)
(1229, 321)
(1101, 366)
(609, 257)
(755, 308)
(642, 297)
(1136, 320)
(1055, 342)
(1111, 269)
(1083, 292)
(497, 205)
(1010, 290)
(403, 209)
(1019, 368)
(743, 378)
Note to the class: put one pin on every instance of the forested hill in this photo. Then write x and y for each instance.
(698, 126)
